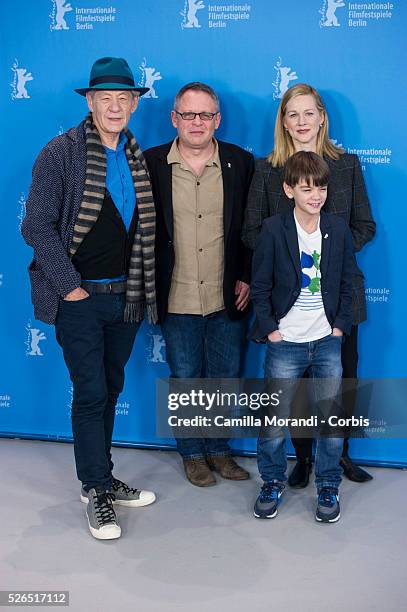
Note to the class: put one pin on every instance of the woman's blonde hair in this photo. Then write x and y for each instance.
(283, 144)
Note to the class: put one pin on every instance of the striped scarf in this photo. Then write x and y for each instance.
(140, 292)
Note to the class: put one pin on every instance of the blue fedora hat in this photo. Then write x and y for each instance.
(111, 73)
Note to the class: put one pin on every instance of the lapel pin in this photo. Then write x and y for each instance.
(229, 165)
(326, 236)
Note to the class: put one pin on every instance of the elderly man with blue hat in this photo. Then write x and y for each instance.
(91, 222)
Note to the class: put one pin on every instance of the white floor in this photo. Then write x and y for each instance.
(198, 549)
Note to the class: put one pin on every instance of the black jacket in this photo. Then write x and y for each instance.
(237, 170)
(347, 198)
(276, 273)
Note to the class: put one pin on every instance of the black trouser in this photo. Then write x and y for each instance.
(303, 446)
(97, 344)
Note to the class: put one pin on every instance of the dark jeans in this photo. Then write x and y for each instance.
(289, 361)
(303, 446)
(203, 347)
(96, 344)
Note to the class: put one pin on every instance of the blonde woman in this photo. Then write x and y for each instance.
(302, 125)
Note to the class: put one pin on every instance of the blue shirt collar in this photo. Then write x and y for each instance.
(120, 145)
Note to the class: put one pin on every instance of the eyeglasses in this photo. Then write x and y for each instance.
(191, 116)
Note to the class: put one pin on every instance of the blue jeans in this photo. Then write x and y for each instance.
(203, 347)
(290, 360)
(96, 344)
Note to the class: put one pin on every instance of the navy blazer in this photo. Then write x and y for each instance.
(276, 272)
(347, 198)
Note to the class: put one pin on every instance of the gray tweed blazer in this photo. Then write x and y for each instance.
(58, 181)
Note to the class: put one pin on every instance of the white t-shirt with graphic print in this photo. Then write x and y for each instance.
(306, 321)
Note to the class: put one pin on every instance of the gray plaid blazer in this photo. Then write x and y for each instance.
(347, 198)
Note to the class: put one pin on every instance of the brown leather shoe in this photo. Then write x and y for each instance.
(227, 467)
(198, 473)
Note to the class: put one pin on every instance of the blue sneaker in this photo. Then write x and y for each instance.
(268, 500)
(328, 510)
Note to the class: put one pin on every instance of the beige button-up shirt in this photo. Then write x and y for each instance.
(197, 278)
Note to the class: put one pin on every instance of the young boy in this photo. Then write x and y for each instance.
(302, 295)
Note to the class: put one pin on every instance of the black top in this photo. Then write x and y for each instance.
(106, 250)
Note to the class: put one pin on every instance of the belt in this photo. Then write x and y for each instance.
(115, 287)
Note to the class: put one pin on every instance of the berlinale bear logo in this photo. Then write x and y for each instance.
(149, 77)
(283, 78)
(191, 7)
(34, 337)
(155, 348)
(57, 16)
(328, 12)
(21, 77)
